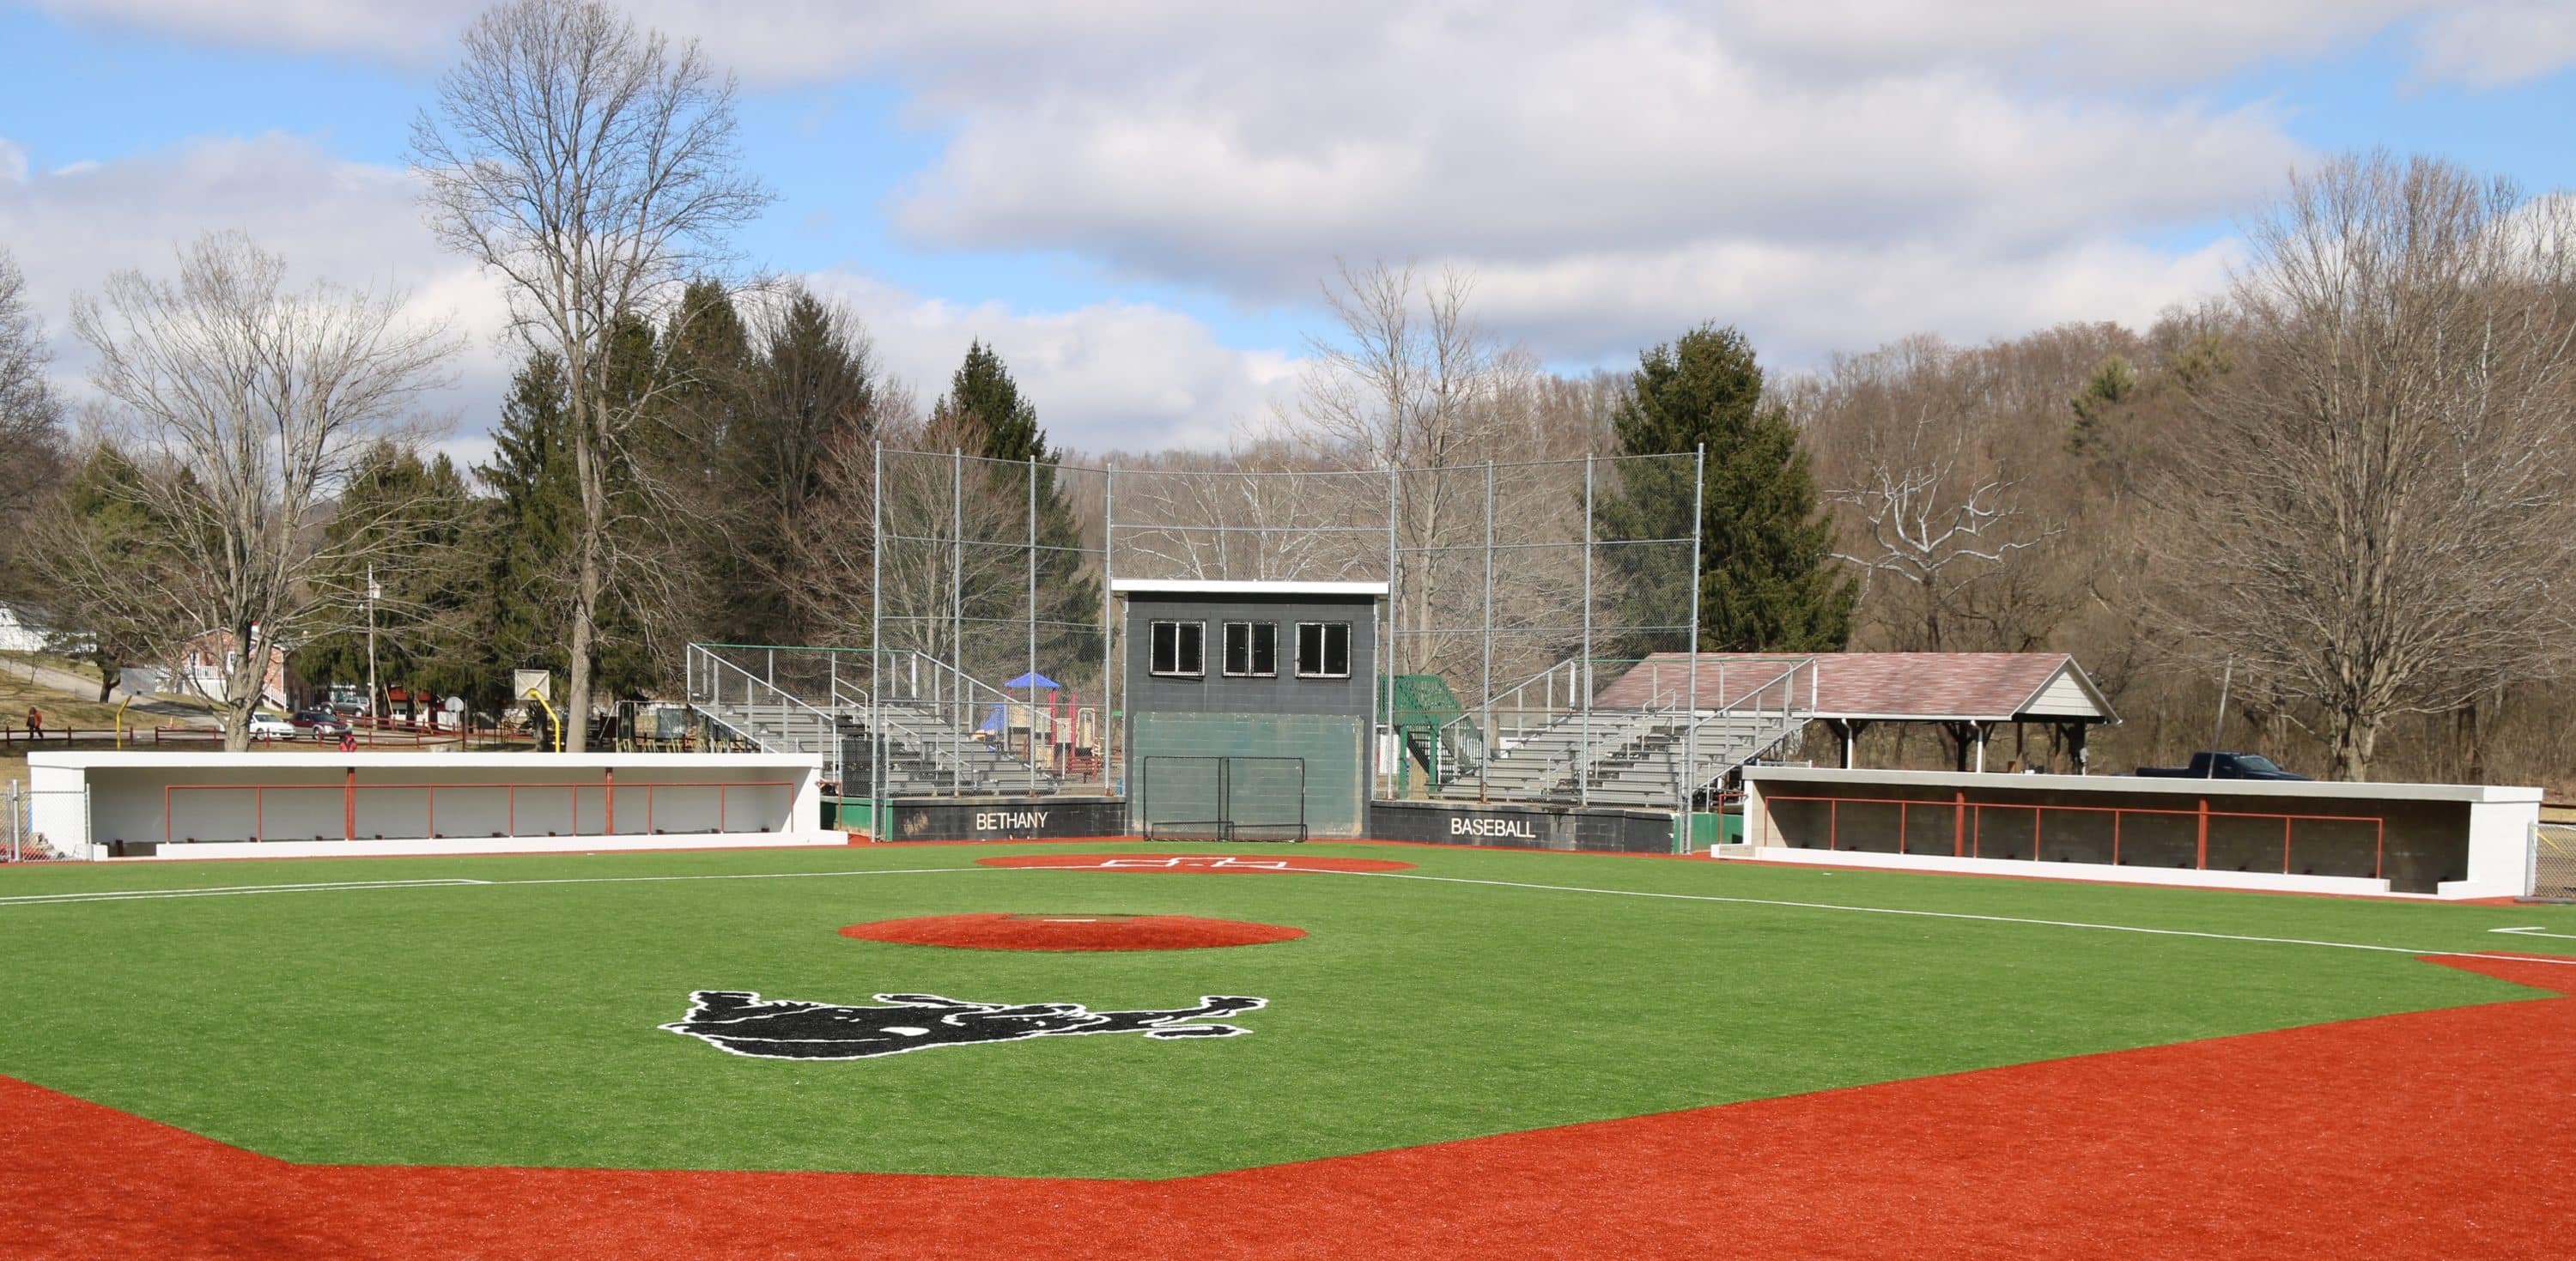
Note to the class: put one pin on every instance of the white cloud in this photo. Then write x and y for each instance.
(1827, 173)
(2500, 44)
(1817, 300)
(350, 223)
(2131, 41)
(1033, 42)
(1644, 170)
(1105, 375)
(1109, 376)
(401, 31)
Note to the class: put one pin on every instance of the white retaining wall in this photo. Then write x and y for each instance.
(224, 805)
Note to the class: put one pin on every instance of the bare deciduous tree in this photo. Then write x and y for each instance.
(1936, 509)
(594, 168)
(30, 415)
(246, 407)
(1262, 510)
(2373, 513)
(1416, 383)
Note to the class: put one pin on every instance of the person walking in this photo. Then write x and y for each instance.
(35, 723)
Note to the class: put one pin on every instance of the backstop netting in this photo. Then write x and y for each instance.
(1520, 592)
(1219, 798)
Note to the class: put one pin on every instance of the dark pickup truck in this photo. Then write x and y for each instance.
(2206, 765)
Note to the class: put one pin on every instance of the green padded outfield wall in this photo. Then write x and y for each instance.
(1336, 796)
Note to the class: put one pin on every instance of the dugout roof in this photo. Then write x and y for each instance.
(1974, 687)
(1213, 587)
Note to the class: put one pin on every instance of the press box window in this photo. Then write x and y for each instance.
(1180, 648)
(1252, 648)
(1323, 650)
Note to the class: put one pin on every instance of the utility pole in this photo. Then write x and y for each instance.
(2218, 737)
(375, 592)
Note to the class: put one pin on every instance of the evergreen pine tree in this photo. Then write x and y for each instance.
(691, 450)
(104, 518)
(984, 397)
(812, 391)
(534, 511)
(419, 513)
(1767, 580)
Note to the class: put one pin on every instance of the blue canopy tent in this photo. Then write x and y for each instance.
(1033, 679)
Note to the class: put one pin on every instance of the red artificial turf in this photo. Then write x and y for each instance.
(1218, 864)
(2427, 1135)
(1071, 931)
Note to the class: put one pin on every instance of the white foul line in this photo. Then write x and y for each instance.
(233, 890)
(2534, 931)
(136, 895)
(1961, 915)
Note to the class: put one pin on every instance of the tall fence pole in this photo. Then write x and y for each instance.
(1690, 730)
(1583, 668)
(876, 647)
(957, 618)
(1031, 747)
(1395, 493)
(1486, 685)
(1108, 617)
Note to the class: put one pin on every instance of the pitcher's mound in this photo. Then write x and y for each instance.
(1071, 930)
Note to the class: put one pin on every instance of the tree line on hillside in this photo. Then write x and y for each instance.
(2340, 484)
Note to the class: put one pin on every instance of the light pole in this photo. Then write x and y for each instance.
(375, 592)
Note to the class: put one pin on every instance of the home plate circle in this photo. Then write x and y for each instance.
(1210, 864)
(1071, 930)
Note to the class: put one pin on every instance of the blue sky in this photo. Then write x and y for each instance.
(1136, 200)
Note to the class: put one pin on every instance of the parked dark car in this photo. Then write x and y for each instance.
(2209, 765)
(320, 722)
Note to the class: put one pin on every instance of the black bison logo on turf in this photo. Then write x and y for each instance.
(743, 1023)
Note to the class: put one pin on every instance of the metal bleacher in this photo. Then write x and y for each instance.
(909, 745)
(1647, 757)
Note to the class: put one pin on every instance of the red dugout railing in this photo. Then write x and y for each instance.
(1967, 836)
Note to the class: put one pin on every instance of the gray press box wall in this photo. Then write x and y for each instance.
(1324, 721)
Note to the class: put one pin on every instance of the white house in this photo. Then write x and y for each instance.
(20, 631)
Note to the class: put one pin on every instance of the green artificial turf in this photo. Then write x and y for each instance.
(513, 1023)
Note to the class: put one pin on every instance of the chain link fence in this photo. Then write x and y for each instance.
(1518, 593)
(20, 839)
(2552, 874)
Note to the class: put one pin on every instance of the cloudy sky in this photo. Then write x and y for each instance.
(1135, 200)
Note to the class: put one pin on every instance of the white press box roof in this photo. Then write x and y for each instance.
(1201, 586)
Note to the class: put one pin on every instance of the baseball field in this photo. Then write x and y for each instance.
(1414, 1051)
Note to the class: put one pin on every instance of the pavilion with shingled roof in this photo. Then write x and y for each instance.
(1966, 694)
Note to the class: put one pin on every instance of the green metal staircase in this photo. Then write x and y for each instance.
(1425, 714)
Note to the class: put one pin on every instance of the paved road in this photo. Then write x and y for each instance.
(87, 689)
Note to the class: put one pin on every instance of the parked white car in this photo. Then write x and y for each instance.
(272, 727)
